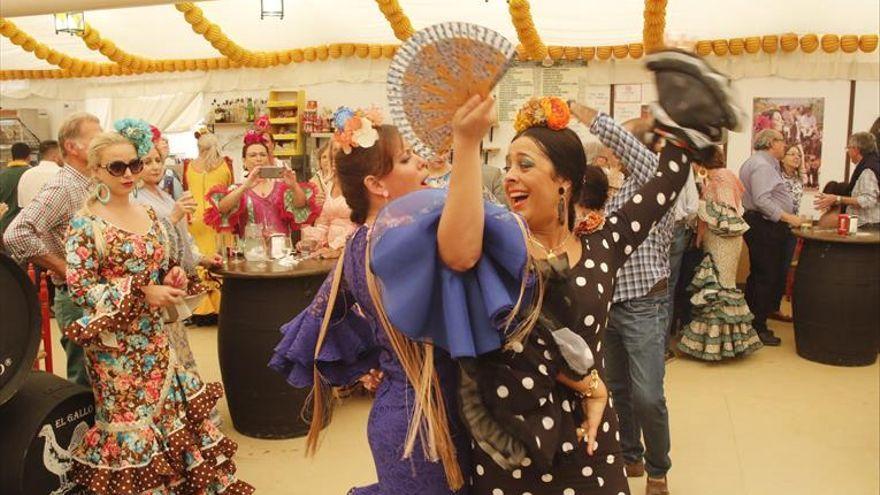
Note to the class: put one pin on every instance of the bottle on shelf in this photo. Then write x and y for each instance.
(251, 110)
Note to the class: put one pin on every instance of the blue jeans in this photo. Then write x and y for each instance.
(635, 367)
(67, 312)
(680, 241)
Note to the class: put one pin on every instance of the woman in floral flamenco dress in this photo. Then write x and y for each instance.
(152, 434)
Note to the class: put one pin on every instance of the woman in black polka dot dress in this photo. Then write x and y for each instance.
(523, 404)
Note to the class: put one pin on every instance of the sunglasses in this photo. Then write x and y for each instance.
(117, 168)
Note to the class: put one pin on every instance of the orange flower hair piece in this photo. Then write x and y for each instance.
(549, 111)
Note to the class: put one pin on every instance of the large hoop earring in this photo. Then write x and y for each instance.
(102, 193)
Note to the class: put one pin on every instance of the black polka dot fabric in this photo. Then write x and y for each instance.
(519, 387)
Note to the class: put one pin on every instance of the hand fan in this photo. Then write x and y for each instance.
(435, 72)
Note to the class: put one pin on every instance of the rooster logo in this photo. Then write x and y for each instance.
(58, 460)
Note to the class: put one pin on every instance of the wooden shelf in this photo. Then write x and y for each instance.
(285, 137)
(321, 135)
(282, 104)
(231, 124)
(281, 152)
(284, 120)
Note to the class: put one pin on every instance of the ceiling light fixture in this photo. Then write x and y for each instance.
(271, 8)
(72, 23)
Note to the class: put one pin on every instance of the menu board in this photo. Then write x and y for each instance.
(563, 82)
(514, 89)
(568, 83)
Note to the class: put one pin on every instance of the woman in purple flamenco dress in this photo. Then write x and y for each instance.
(418, 443)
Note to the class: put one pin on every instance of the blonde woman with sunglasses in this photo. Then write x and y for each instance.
(152, 432)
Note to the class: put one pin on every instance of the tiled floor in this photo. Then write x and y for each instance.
(772, 424)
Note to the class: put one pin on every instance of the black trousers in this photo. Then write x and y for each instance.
(767, 242)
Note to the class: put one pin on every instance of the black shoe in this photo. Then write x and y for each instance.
(768, 339)
(695, 101)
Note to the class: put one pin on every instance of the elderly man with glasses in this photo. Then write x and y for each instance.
(770, 215)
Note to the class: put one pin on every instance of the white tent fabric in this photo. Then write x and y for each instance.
(161, 32)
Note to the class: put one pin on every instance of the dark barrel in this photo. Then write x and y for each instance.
(836, 302)
(38, 428)
(254, 305)
(19, 327)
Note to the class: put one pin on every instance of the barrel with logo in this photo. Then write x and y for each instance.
(20, 325)
(39, 427)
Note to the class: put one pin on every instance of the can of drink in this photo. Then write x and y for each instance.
(853, 224)
(842, 224)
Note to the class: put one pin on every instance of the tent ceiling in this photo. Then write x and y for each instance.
(159, 31)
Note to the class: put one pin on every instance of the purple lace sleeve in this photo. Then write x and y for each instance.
(349, 350)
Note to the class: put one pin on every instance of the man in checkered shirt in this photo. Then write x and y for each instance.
(635, 336)
(39, 232)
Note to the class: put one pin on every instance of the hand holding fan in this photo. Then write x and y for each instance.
(435, 72)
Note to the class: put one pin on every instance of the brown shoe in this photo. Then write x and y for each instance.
(657, 486)
(634, 469)
(778, 316)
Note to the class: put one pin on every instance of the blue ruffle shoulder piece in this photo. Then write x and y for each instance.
(349, 350)
(461, 312)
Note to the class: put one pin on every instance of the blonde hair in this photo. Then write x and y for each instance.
(96, 149)
(71, 128)
(209, 151)
(100, 143)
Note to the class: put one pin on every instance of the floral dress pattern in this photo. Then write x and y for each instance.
(152, 434)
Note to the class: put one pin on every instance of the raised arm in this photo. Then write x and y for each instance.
(631, 224)
(460, 233)
(639, 160)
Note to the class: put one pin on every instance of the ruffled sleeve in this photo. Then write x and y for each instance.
(222, 222)
(295, 216)
(463, 313)
(349, 350)
(722, 219)
(110, 305)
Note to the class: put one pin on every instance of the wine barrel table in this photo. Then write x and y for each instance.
(257, 299)
(39, 427)
(835, 297)
(20, 335)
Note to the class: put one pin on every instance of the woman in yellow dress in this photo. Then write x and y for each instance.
(209, 170)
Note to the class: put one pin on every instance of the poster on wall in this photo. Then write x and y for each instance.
(800, 120)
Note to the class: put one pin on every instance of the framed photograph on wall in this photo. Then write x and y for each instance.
(800, 120)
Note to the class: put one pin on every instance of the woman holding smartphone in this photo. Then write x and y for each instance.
(270, 196)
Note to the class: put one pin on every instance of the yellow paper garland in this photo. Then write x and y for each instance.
(521, 16)
(399, 21)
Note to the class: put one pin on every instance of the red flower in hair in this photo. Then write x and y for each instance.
(262, 123)
(157, 134)
(251, 137)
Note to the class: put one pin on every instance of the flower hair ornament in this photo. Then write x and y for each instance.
(356, 128)
(594, 220)
(548, 111)
(252, 137)
(138, 132)
(262, 123)
(156, 134)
